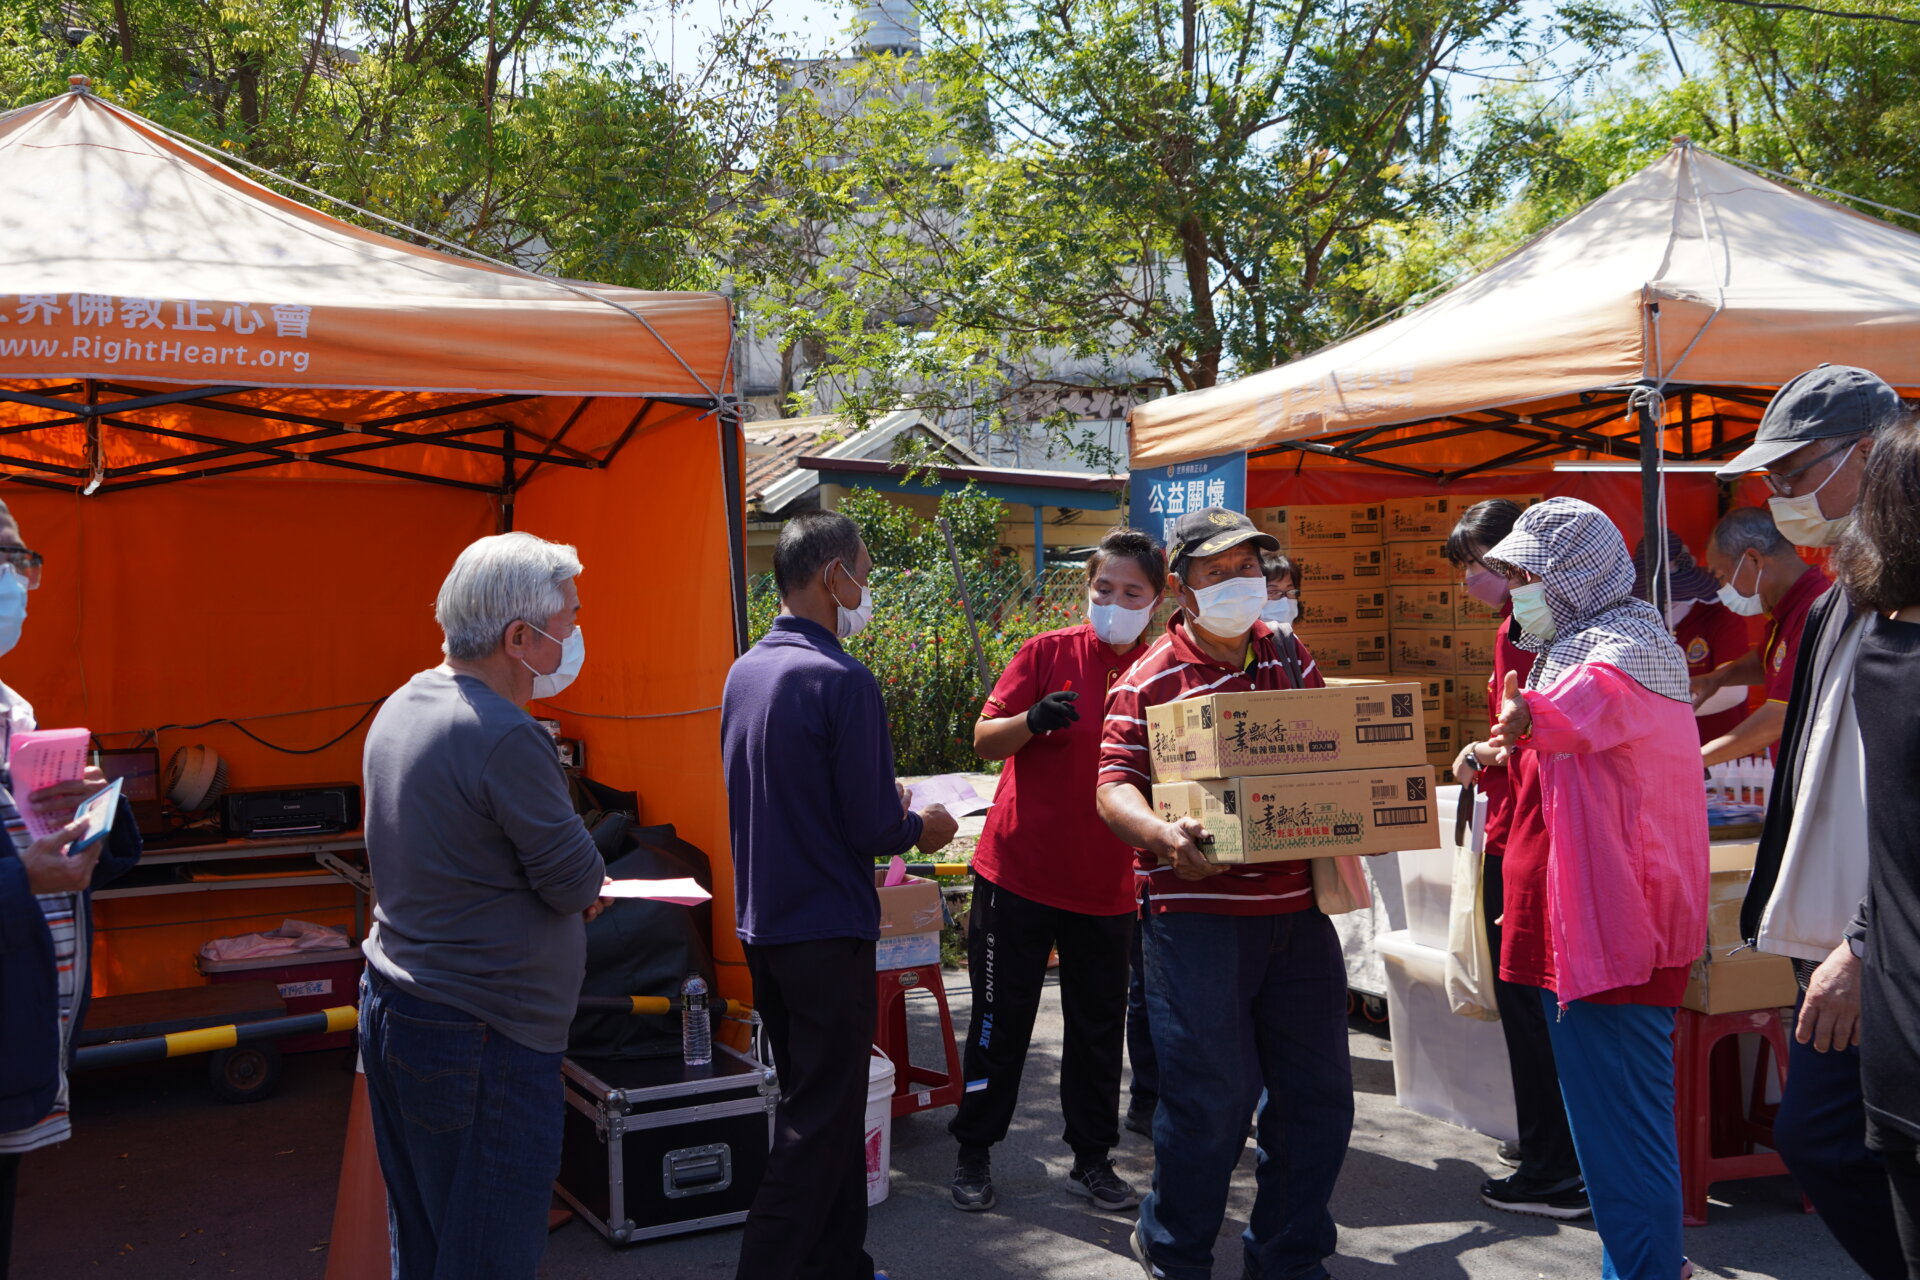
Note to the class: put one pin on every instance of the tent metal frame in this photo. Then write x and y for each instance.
(80, 403)
(1541, 434)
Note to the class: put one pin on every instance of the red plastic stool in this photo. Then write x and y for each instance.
(890, 988)
(1718, 1130)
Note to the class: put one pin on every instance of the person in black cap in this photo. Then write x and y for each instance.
(1810, 874)
(1240, 963)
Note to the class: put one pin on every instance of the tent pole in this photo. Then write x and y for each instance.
(1658, 591)
(732, 480)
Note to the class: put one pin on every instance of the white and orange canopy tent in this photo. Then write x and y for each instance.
(1649, 328)
(249, 438)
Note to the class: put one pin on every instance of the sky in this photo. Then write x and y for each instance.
(821, 26)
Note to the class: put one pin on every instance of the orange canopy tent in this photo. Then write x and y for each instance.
(249, 439)
(1650, 327)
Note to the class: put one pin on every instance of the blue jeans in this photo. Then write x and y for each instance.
(1222, 989)
(1821, 1132)
(1616, 1075)
(467, 1125)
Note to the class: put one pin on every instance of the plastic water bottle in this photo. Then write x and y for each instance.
(696, 1028)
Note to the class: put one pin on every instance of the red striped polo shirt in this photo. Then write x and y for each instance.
(1171, 670)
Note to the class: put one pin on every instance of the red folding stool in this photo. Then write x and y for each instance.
(1718, 1128)
(890, 988)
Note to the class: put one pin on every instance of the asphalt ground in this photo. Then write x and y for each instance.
(161, 1181)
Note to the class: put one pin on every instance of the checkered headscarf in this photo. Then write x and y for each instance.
(1583, 561)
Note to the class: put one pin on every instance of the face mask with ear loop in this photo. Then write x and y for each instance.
(1532, 612)
(573, 656)
(1741, 602)
(849, 623)
(1799, 518)
(13, 608)
(1229, 609)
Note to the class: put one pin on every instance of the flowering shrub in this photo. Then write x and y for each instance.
(917, 645)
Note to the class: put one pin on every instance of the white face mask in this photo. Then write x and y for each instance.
(1678, 610)
(1747, 606)
(1117, 624)
(1800, 520)
(1281, 612)
(13, 607)
(1229, 609)
(1532, 612)
(573, 655)
(849, 623)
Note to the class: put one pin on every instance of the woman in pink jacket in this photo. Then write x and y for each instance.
(1606, 863)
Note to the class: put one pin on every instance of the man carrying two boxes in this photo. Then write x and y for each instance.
(1241, 965)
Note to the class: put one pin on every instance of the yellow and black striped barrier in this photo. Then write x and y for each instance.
(939, 868)
(181, 1044)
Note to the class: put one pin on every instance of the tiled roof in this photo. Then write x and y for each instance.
(774, 446)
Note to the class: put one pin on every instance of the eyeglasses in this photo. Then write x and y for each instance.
(1782, 482)
(23, 562)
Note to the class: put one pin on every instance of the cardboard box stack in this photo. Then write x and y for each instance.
(1343, 582)
(1298, 773)
(1435, 628)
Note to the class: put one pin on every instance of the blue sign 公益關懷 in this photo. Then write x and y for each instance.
(1158, 496)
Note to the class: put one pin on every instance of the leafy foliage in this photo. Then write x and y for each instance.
(524, 128)
(917, 645)
(1116, 194)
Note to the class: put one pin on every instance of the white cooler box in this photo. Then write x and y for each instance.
(1445, 1066)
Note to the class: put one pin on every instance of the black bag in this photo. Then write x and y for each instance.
(640, 948)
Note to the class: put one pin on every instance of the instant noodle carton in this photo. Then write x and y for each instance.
(1350, 653)
(1226, 735)
(1419, 564)
(1347, 525)
(1309, 815)
(1339, 609)
(1435, 515)
(1429, 604)
(1348, 568)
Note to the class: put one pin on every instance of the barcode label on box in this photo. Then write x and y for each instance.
(1370, 709)
(1383, 733)
(1405, 816)
(1386, 792)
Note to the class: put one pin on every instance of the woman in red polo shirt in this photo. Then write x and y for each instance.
(1048, 874)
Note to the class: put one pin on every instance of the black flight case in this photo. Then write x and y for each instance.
(655, 1148)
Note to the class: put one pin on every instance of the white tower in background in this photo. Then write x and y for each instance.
(891, 26)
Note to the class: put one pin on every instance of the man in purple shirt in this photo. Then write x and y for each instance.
(812, 801)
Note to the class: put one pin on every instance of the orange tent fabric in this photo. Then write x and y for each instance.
(1694, 275)
(287, 591)
(138, 258)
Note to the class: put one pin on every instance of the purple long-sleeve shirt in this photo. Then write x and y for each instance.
(810, 788)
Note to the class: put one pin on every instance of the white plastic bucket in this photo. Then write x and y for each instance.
(879, 1125)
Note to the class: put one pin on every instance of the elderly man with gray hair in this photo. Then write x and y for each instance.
(484, 877)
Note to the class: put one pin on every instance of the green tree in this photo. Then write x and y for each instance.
(1121, 193)
(527, 129)
(1820, 99)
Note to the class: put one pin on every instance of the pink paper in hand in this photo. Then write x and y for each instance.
(896, 871)
(684, 891)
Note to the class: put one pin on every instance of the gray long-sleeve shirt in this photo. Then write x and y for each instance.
(481, 868)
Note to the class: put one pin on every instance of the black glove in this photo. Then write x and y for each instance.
(1055, 711)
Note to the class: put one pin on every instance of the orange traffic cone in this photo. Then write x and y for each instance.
(360, 1248)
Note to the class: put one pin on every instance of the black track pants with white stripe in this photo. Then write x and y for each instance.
(1008, 942)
